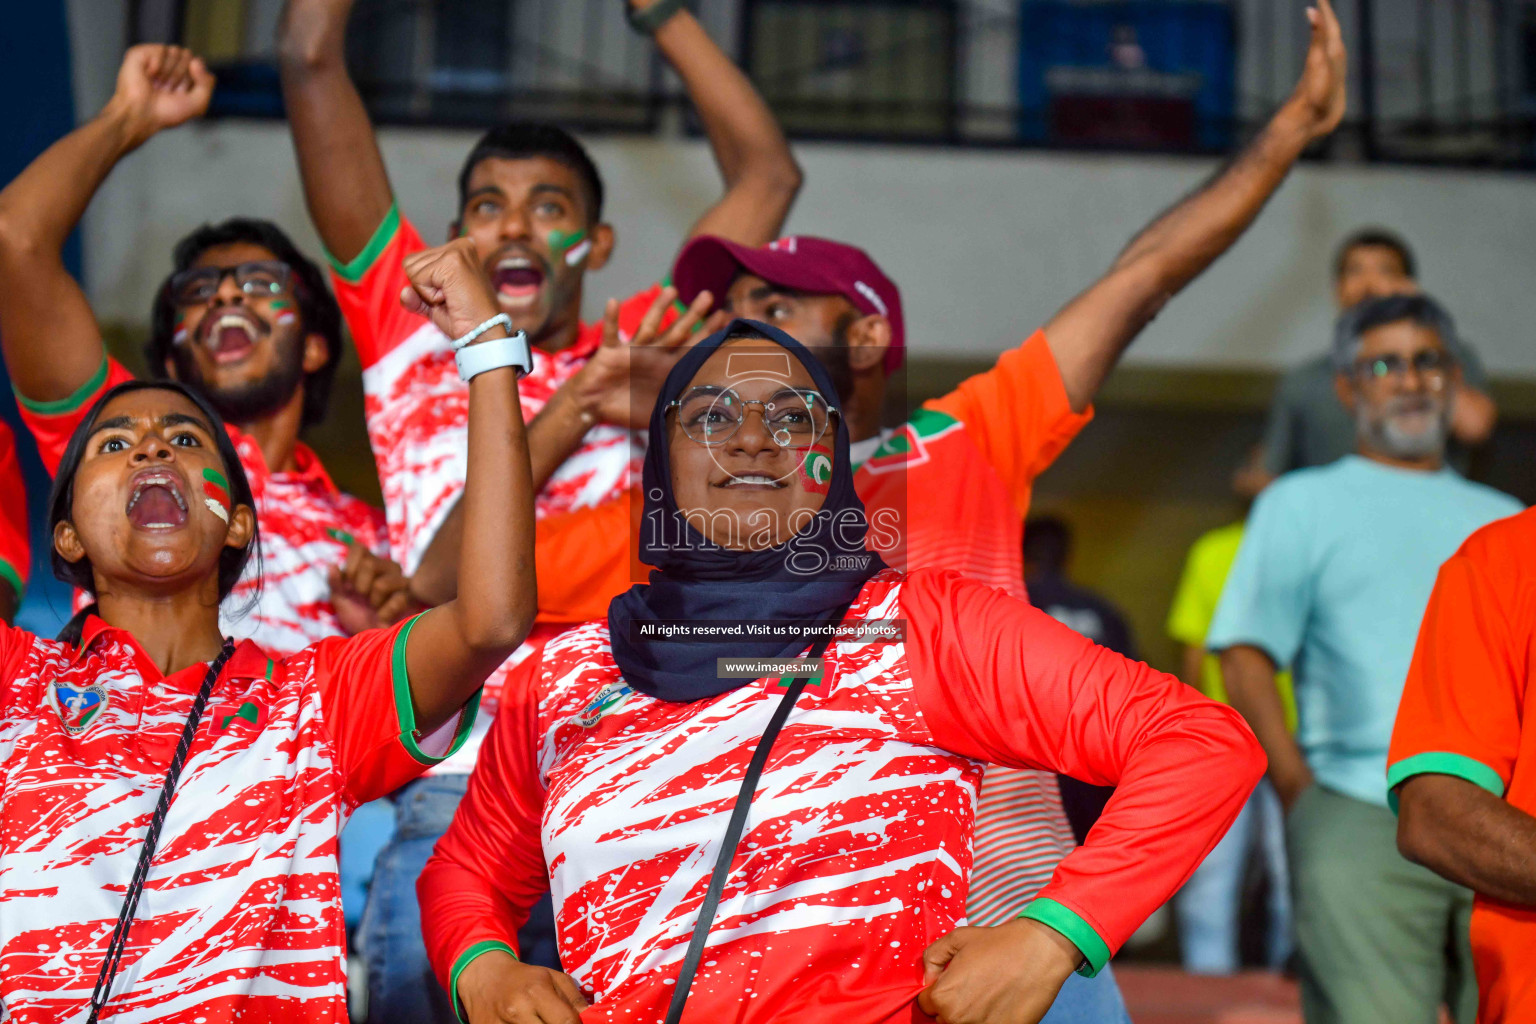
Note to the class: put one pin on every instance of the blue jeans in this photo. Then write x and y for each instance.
(401, 986)
(1207, 906)
(366, 834)
(1089, 1001)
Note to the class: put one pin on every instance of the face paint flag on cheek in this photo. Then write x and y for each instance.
(816, 470)
(285, 313)
(216, 493)
(181, 336)
(576, 244)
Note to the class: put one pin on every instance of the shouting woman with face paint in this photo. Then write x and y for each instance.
(173, 799)
(762, 843)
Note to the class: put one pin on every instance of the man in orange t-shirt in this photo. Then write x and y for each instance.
(1462, 765)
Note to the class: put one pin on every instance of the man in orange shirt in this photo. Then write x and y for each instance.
(1462, 765)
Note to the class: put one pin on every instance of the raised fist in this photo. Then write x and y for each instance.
(449, 286)
(160, 87)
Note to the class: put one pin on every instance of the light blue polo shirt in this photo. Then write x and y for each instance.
(1332, 578)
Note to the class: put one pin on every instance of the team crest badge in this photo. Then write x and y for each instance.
(79, 706)
(608, 700)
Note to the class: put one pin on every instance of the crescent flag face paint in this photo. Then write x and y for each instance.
(816, 470)
(575, 243)
(216, 493)
(181, 335)
(285, 311)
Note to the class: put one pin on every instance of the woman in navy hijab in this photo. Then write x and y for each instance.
(611, 777)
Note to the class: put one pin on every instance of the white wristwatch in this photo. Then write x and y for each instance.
(493, 355)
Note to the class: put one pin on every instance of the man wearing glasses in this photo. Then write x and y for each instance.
(244, 317)
(1331, 580)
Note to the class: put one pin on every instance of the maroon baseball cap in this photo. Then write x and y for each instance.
(801, 262)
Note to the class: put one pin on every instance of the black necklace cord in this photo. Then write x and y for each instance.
(733, 830)
(130, 906)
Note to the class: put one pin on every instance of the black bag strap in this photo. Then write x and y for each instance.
(119, 942)
(732, 839)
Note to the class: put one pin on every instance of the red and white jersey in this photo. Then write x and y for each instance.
(417, 408)
(987, 440)
(241, 917)
(857, 850)
(303, 520)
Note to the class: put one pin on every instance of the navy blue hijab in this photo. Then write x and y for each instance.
(806, 581)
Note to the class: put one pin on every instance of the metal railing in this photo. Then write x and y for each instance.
(1434, 81)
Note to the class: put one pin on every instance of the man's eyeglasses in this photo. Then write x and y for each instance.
(260, 279)
(794, 418)
(1427, 362)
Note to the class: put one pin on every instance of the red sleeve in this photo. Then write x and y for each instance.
(53, 423)
(365, 699)
(488, 869)
(1018, 414)
(584, 559)
(1013, 686)
(368, 289)
(15, 552)
(19, 688)
(1464, 699)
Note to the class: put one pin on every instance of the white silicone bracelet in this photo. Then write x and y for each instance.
(493, 355)
(500, 319)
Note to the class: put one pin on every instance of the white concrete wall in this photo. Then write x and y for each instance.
(985, 244)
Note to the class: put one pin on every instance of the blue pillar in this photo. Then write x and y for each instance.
(35, 72)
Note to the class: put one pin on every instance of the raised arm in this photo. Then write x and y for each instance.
(1088, 335)
(761, 176)
(51, 342)
(454, 647)
(345, 185)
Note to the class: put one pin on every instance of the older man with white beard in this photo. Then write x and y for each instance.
(1332, 578)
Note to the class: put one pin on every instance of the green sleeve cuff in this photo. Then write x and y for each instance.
(1436, 762)
(60, 407)
(9, 574)
(353, 270)
(478, 949)
(1053, 915)
(405, 709)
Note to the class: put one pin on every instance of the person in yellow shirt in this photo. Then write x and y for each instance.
(1208, 905)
